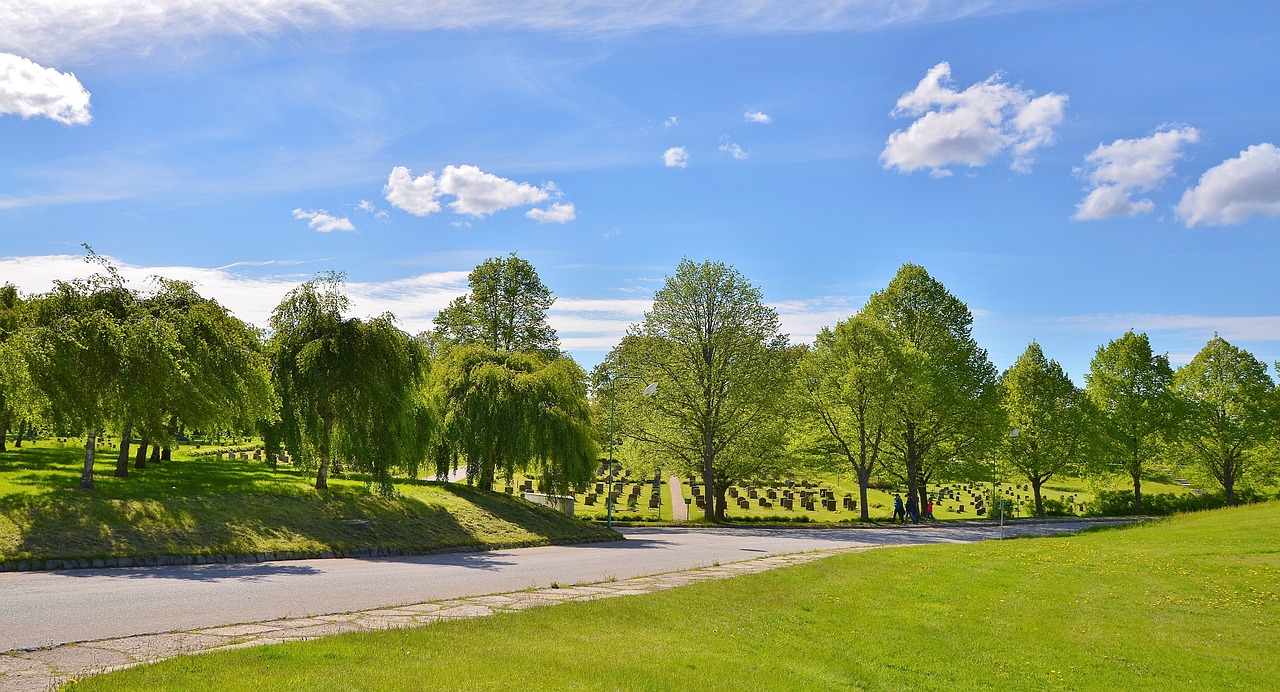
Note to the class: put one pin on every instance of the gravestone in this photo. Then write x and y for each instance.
(590, 499)
(655, 501)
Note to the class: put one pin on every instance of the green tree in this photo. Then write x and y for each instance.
(347, 386)
(847, 386)
(1051, 416)
(508, 412)
(1231, 412)
(1131, 385)
(506, 310)
(945, 405)
(724, 371)
(11, 320)
(74, 353)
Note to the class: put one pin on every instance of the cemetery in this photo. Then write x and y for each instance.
(821, 498)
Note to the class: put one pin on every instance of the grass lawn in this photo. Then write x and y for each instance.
(1187, 603)
(207, 506)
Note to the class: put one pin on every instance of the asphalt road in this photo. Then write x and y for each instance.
(47, 608)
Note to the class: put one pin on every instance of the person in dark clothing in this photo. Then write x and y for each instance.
(913, 508)
(899, 516)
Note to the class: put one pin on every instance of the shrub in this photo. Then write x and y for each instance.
(1120, 502)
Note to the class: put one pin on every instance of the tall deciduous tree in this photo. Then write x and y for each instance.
(1051, 416)
(508, 412)
(11, 374)
(346, 386)
(1231, 412)
(723, 370)
(1131, 386)
(946, 405)
(506, 310)
(848, 382)
(75, 351)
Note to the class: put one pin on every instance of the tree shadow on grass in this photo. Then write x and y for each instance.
(543, 521)
(207, 506)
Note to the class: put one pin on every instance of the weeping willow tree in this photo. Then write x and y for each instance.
(508, 412)
(349, 389)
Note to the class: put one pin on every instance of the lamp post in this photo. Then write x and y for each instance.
(613, 406)
(1012, 434)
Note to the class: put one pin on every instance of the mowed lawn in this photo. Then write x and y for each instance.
(208, 506)
(1187, 603)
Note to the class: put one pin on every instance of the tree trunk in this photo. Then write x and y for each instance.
(122, 459)
(155, 455)
(22, 431)
(708, 477)
(720, 502)
(1035, 488)
(86, 479)
(140, 459)
(864, 480)
(164, 453)
(4, 429)
(1137, 489)
(1229, 483)
(913, 462)
(322, 474)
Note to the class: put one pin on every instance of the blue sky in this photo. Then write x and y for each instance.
(1068, 169)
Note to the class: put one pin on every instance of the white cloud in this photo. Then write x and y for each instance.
(324, 222)
(757, 117)
(556, 213)
(30, 90)
(733, 150)
(89, 29)
(414, 300)
(414, 195)
(673, 121)
(370, 208)
(1125, 166)
(480, 194)
(970, 127)
(1235, 190)
(676, 157)
(476, 193)
(1197, 327)
(1109, 201)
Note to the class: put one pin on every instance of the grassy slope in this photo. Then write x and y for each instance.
(1188, 603)
(207, 506)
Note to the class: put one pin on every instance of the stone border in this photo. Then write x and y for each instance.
(38, 670)
(233, 558)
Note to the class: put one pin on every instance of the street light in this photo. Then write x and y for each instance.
(613, 406)
(1012, 434)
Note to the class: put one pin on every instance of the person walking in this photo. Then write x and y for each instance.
(899, 516)
(928, 511)
(913, 508)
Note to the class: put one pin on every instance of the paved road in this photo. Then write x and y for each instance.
(46, 608)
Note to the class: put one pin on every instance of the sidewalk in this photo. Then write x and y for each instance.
(39, 670)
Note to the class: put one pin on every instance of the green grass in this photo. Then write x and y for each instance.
(1188, 603)
(206, 506)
